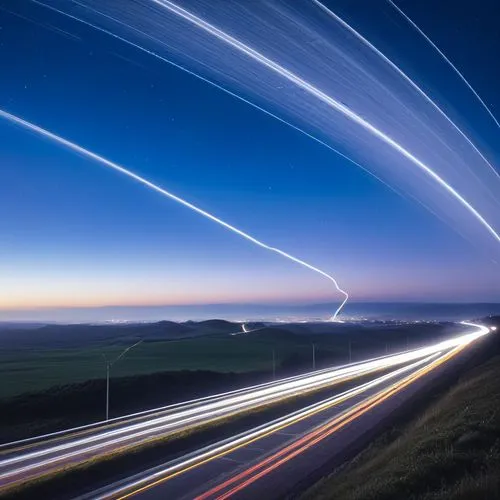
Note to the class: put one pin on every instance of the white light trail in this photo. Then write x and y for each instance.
(114, 166)
(252, 397)
(211, 83)
(401, 73)
(188, 416)
(86, 446)
(330, 101)
(249, 436)
(143, 481)
(182, 405)
(446, 59)
(73, 449)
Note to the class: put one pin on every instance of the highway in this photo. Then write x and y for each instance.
(272, 459)
(30, 459)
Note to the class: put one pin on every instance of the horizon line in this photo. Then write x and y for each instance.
(249, 304)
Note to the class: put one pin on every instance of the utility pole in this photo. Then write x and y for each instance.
(109, 364)
(314, 356)
(107, 389)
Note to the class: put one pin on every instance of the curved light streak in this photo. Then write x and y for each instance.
(60, 450)
(223, 448)
(182, 405)
(403, 75)
(430, 357)
(445, 58)
(307, 441)
(168, 194)
(207, 80)
(330, 101)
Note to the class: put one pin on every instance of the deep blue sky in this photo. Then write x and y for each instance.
(74, 234)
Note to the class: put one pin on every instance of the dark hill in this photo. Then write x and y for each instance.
(65, 336)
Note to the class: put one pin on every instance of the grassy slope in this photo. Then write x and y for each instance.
(451, 451)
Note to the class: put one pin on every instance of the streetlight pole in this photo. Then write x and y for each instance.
(107, 390)
(109, 364)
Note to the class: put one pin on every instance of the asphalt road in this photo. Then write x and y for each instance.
(30, 459)
(276, 458)
(27, 460)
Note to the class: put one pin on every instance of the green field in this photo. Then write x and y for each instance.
(35, 370)
(67, 354)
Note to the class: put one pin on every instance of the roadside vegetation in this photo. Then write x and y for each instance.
(450, 449)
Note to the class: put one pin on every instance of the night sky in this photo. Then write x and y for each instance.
(75, 234)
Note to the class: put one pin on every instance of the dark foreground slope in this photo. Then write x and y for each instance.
(448, 449)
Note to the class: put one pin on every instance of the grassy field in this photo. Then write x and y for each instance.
(36, 370)
(450, 451)
(31, 369)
